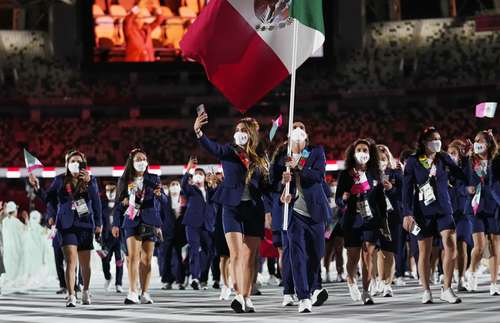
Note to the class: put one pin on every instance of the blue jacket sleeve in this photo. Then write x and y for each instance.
(118, 214)
(342, 187)
(217, 150)
(408, 187)
(96, 202)
(187, 190)
(50, 198)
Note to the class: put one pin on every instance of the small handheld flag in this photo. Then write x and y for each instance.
(486, 109)
(276, 124)
(31, 161)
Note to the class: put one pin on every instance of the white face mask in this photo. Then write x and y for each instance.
(110, 195)
(240, 138)
(434, 146)
(175, 189)
(479, 148)
(454, 158)
(111, 204)
(298, 135)
(74, 167)
(140, 166)
(198, 178)
(333, 189)
(384, 164)
(362, 157)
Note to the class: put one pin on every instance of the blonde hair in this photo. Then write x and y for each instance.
(256, 161)
(383, 149)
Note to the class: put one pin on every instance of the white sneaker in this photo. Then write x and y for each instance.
(329, 277)
(305, 306)
(340, 279)
(448, 295)
(289, 300)
(71, 301)
(471, 282)
(119, 289)
(249, 308)
(373, 287)
(238, 304)
(494, 290)
(354, 291)
(427, 297)
(387, 292)
(86, 297)
(107, 283)
(273, 281)
(146, 299)
(319, 297)
(132, 298)
(414, 275)
(400, 282)
(367, 298)
(225, 293)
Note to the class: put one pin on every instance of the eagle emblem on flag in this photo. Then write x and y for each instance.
(272, 14)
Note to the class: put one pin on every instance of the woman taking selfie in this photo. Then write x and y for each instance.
(245, 174)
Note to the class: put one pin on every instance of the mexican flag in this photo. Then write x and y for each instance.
(245, 46)
(31, 161)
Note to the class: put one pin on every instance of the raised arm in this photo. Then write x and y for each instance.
(212, 147)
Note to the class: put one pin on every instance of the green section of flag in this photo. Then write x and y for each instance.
(309, 13)
(31, 161)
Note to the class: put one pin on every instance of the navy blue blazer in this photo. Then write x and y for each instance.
(415, 174)
(495, 187)
(487, 202)
(167, 218)
(376, 201)
(150, 212)
(61, 204)
(312, 179)
(231, 190)
(395, 194)
(199, 213)
(107, 220)
(276, 170)
(458, 194)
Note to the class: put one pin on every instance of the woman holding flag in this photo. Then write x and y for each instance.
(139, 196)
(74, 206)
(241, 196)
(482, 207)
(309, 211)
(361, 194)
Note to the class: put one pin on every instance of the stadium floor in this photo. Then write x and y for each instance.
(45, 306)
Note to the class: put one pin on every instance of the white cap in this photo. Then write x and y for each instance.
(10, 207)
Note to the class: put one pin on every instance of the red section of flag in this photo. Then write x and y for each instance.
(236, 59)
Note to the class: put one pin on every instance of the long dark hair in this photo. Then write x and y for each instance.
(373, 165)
(81, 186)
(128, 174)
(491, 142)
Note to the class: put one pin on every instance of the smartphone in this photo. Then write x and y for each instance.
(200, 109)
(83, 165)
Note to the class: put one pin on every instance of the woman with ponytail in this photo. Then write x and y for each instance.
(241, 197)
(139, 196)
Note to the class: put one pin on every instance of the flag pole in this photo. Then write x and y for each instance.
(291, 115)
